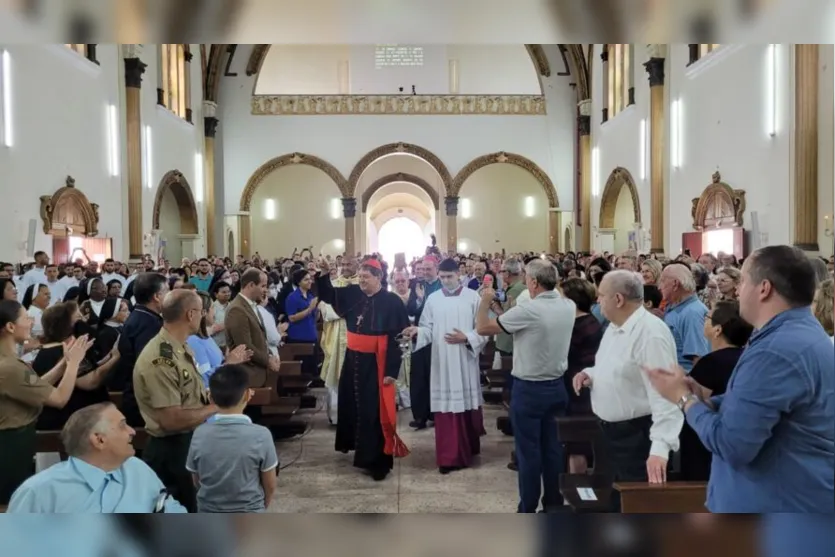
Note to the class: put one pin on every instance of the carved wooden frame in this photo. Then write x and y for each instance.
(398, 148)
(175, 181)
(287, 160)
(618, 179)
(718, 189)
(503, 157)
(89, 211)
(400, 177)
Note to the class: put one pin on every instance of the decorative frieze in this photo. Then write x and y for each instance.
(452, 105)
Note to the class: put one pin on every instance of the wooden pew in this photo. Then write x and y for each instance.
(291, 352)
(584, 429)
(671, 497)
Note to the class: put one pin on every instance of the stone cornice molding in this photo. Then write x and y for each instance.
(419, 105)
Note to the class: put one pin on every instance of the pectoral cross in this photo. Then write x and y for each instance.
(359, 321)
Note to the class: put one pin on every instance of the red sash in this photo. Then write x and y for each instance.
(378, 345)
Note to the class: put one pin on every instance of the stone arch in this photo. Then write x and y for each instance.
(506, 158)
(618, 179)
(287, 160)
(400, 177)
(179, 187)
(69, 212)
(394, 149)
(719, 206)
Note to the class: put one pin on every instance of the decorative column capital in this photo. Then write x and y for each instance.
(584, 107)
(134, 68)
(655, 70)
(210, 126)
(132, 51)
(349, 207)
(209, 109)
(451, 206)
(656, 51)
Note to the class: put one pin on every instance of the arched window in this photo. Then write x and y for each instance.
(174, 91)
(698, 51)
(619, 89)
(86, 50)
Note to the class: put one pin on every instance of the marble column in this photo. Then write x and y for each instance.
(245, 234)
(134, 68)
(806, 74)
(210, 129)
(657, 147)
(583, 218)
(349, 211)
(451, 205)
(554, 230)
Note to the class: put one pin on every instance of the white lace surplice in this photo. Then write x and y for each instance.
(455, 380)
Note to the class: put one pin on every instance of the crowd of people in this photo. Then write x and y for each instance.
(727, 363)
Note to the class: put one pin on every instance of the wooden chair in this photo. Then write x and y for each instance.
(671, 497)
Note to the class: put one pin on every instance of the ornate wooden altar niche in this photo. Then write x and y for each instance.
(719, 206)
(68, 212)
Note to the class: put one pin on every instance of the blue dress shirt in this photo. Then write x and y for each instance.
(77, 487)
(773, 433)
(208, 356)
(303, 330)
(686, 321)
(66, 535)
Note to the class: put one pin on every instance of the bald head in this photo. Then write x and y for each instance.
(178, 303)
(628, 284)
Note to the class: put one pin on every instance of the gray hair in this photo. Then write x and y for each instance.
(700, 276)
(76, 433)
(821, 272)
(628, 284)
(683, 275)
(513, 266)
(543, 272)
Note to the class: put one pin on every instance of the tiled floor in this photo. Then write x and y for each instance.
(317, 479)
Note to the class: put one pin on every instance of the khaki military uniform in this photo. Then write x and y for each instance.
(165, 376)
(22, 396)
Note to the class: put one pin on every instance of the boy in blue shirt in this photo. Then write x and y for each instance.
(233, 461)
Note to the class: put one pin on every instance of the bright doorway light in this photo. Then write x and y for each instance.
(401, 235)
(462, 247)
(719, 240)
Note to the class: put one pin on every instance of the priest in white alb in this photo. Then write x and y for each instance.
(448, 324)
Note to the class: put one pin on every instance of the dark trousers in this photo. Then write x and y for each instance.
(167, 457)
(534, 409)
(17, 459)
(627, 447)
(419, 384)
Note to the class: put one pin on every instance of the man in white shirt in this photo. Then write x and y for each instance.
(641, 427)
(35, 275)
(541, 332)
(57, 289)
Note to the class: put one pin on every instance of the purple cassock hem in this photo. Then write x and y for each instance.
(457, 437)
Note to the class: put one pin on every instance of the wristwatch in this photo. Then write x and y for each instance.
(682, 402)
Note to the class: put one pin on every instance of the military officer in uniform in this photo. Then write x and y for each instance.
(170, 394)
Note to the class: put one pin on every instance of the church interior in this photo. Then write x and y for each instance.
(298, 156)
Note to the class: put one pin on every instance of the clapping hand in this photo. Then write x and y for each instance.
(455, 337)
(313, 303)
(76, 348)
(488, 295)
(240, 355)
(275, 363)
(282, 328)
(419, 291)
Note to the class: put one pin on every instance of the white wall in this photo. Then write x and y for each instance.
(60, 128)
(169, 226)
(174, 141)
(624, 220)
(352, 69)
(724, 102)
(53, 138)
(618, 140)
(497, 195)
(249, 141)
